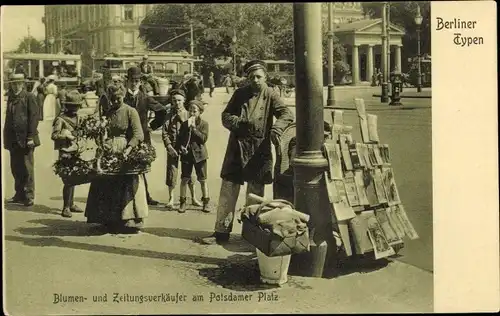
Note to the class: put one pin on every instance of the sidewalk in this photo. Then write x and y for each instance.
(166, 260)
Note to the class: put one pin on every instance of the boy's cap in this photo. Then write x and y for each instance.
(199, 104)
(177, 91)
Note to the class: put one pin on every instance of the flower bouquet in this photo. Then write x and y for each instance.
(93, 127)
(138, 160)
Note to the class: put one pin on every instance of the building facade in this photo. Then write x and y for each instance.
(94, 30)
(362, 40)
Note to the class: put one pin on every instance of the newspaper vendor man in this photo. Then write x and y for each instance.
(249, 118)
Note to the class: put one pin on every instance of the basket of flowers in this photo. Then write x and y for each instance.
(136, 162)
(72, 167)
(73, 170)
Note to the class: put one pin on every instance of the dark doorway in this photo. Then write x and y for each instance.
(362, 67)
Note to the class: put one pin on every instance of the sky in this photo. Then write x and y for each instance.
(15, 21)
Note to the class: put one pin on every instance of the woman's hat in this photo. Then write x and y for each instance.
(16, 78)
(199, 104)
(73, 98)
(114, 90)
(254, 65)
(52, 77)
(177, 91)
(134, 73)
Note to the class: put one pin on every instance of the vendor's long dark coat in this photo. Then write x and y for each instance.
(248, 155)
(144, 103)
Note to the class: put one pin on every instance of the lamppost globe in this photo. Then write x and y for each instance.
(418, 22)
(418, 18)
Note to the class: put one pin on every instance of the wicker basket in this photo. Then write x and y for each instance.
(79, 179)
(126, 172)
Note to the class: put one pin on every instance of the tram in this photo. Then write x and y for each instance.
(165, 65)
(67, 68)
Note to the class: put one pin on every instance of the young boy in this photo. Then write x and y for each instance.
(170, 133)
(62, 134)
(193, 135)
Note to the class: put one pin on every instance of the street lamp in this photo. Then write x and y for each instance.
(331, 94)
(52, 40)
(384, 97)
(234, 52)
(93, 55)
(418, 22)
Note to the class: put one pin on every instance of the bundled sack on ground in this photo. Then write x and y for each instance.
(275, 227)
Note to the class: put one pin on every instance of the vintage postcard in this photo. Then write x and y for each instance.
(134, 135)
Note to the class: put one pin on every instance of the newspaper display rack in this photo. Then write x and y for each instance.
(366, 208)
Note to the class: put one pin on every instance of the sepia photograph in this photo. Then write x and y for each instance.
(175, 158)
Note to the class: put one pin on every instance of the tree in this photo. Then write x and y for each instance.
(263, 31)
(30, 44)
(403, 14)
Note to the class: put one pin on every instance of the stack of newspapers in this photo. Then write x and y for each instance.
(367, 212)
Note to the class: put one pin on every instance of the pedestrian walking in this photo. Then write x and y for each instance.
(211, 82)
(170, 135)
(119, 202)
(63, 135)
(249, 118)
(61, 96)
(40, 97)
(228, 83)
(50, 103)
(20, 137)
(193, 135)
(143, 103)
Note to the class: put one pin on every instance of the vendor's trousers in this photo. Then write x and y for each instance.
(228, 197)
(23, 171)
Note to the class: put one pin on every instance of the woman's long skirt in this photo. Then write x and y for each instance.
(49, 107)
(114, 200)
(40, 100)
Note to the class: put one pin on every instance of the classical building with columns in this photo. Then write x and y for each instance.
(362, 39)
(363, 42)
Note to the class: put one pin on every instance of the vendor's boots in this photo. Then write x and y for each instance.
(182, 206)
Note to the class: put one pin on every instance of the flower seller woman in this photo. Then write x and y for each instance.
(119, 201)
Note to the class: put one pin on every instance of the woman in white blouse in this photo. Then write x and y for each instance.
(50, 103)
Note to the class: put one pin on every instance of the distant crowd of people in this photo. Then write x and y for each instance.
(120, 203)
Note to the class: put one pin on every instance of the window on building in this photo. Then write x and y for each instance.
(184, 67)
(128, 12)
(171, 67)
(128, 38)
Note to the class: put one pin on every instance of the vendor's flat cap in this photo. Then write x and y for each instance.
(254, 65)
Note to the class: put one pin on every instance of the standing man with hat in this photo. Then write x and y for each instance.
(147, 70)
(20, 137)
(143, 103)
(249, 118)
